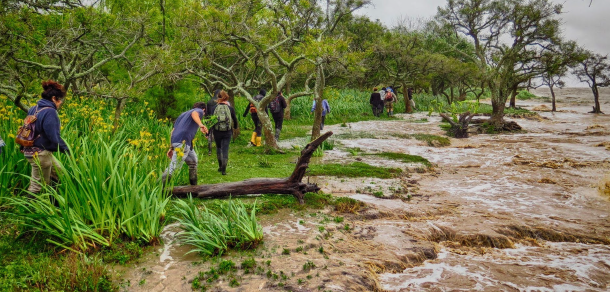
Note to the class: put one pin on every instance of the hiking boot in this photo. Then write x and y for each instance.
(258, 142)
(253, 139)
(193, 175)
(223, 168)
(277, 134)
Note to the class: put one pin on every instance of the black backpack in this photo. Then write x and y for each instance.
(275, 105)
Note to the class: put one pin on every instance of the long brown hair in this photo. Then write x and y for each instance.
(223, 96)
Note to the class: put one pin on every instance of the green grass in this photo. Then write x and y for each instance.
(525, 95)
(406, 158)
(431, 140)
(356, 169)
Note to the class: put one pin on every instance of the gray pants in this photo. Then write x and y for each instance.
(43, 165)
(182, 153)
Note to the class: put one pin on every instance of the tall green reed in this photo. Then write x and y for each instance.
(212, 233)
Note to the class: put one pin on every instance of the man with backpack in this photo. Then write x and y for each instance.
(223, 130)
(389, 100)
(251, 108)
(40, 136)
(181, 150)
(277, 107)
(376, 102)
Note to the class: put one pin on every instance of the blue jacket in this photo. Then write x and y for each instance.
(325, 107)
(47, 126)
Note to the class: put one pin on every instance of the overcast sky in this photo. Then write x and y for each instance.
(589, 26)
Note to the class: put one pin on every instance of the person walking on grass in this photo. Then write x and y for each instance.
(376, 102)
(389, 101)
(277, 107)
(223, 130)
(251, 108)
(209, 110)
(325, 110)
(46, 136)
(181, 150)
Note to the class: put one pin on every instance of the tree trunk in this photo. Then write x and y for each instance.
(405, 93)
(287, 115)
(117, 114)
(267, 129)
(459, 129)
(318, 98)
(597, 108)
(497, 114)
(292, 185)
(554, 108)
(513, 98)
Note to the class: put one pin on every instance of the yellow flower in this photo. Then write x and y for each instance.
(11, 136)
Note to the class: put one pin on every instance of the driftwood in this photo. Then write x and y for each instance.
(292, 185)
(459, 129)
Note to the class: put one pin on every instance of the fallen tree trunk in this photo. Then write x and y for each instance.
(292, 185)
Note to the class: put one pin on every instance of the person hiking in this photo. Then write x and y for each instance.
(251, 108)
(325, 110)
(181, 150)
(209, 111)
(389, 100)
(410, 95)
(277, 107)
(376, 102)
(223, 130)
(46, 136)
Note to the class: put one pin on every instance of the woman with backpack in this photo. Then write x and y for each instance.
(389, 100)
(251, 108)
(277, 107)
(38, 148)
(223, 129)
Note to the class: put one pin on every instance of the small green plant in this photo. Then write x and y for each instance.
(378, 194)
(286, 252)
(309, 265)
(321, 250)
(299, 249)
(226, 266)
(338, 219)
(248, 264)
(233, 283)
(321, 228)
(346, 227)
(300, 281)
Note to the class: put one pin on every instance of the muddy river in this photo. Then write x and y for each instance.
(496, 212)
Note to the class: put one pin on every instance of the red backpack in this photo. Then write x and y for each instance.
(388, 96)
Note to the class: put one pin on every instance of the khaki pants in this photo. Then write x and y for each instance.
(43, 165)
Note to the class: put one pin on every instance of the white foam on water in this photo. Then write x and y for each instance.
(485, 272)
(168, 235)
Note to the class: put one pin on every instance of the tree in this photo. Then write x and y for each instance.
(556, 64)
(71, 47)
(509, 36)
(595, 71)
